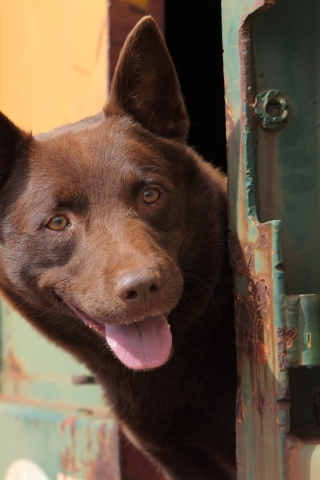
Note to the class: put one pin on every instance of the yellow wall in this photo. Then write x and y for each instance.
(53, 61)
(53, 70)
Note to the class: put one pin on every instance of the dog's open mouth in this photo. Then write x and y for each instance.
(141, 345)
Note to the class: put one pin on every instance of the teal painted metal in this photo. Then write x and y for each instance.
(286, 56)
(47, 417)
(271, 77)
(63, 444)
(33, 368)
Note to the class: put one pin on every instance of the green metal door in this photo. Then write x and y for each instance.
(271, 64)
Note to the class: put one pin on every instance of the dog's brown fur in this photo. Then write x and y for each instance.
(93, 173)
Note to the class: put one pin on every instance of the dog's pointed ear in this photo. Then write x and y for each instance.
(12, 141)
(145, 83)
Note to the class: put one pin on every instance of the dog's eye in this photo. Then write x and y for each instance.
(150, 195)
(58, 223)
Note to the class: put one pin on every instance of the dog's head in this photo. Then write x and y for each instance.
(95, 217)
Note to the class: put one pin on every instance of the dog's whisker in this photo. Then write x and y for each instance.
(49, 309)
(74, 326)
(195, 280)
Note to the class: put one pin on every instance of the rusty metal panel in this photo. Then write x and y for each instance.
(57, 444)
(272, 96)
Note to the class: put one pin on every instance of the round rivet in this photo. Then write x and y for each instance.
(272, 108)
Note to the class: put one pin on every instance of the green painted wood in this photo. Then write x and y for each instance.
(272, 95)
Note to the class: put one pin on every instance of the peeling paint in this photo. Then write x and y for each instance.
(250, 310)
(240, 408)
(101, 452)
(14, 371)
(284, 340)
(230, 123)
(79, 447)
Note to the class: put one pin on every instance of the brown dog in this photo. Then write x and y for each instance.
(112, 229)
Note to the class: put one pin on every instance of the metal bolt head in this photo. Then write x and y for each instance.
(272, 108)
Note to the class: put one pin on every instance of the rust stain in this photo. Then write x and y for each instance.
(230, 122)
(240, 408)
(284, 340)
(68, 462)
(69, 423)
(100, 39)
(263, 241)
(79, 69)
(261, 403)
(14, 371)
(261, 298)
(262, 352)
(249, 253)
(236, 257)
(249, 317)
(251, 310)
(103, 464)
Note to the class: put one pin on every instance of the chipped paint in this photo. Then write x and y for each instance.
(240, 408)
(81, 447)
(251, 309)
(102, 457)
(285, 340)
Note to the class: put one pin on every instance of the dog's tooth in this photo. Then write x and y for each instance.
(168, 324)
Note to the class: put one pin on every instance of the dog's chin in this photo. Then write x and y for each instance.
(143, 344)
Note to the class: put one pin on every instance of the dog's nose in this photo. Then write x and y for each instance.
(139, 288)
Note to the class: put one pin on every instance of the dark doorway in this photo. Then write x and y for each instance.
(194, 39)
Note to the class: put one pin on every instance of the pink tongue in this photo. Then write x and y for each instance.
(141, 345)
